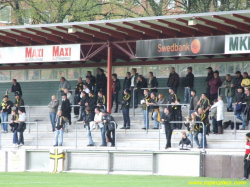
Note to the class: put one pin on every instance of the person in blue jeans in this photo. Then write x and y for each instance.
(98, 120)
(229, 86)
(155, 112)
(5, 108)
(53, 107)
(125, 109)
(239, 107)
(189, 84)
(89, 117)
(14, 125)
(146, 98)
(60, 125)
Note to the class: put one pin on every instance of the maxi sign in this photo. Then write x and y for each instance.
(46, 53)
(229, 44)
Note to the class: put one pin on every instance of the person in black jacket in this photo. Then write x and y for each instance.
(185, 143)
(125, 109)
(237, 80)
(78, 89)
(127, 81)
(91, 101)
(152, 82)
(89, 84)
(16, 87)
(189, 84)
(66, 108)
(60, 125)
(133, 86)
(87, 119)
(239, 107)
(91, 77)
(5, 108)
(84, 99)
(110, 127)
(116, 86)
(101, 100)
(173, 80)
(210, 75)
(169, 127)
(101, 81)
(141, 83)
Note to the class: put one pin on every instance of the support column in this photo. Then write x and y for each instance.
(109, 81)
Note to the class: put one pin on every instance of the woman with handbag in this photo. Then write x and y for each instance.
(21, 126)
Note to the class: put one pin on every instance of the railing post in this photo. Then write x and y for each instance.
(147, 120)
(134, 101)
(1, 137)
(115, 136)
(36, 135)
(76, 135)
(159, 137)
(203, 137)
(235, 127)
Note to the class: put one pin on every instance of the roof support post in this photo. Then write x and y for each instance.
(109, 82)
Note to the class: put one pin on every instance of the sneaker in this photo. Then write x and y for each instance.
(123, 128)
(127, 127)
(112, 146)
(155, 128)
(245, 178)
(103, 145)
(21, 144)
(55, 145)
(144, 128)
(90, 145)
(242, 128)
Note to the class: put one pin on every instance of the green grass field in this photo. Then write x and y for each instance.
(27, 179)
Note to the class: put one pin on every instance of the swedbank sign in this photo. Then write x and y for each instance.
(237, 44)
(180, 47)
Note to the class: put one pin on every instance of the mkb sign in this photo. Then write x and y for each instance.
(211, 45)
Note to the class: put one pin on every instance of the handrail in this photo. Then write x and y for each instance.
(26, 106)
(26, 123)
(158, 88)
(203, 125)
(147, 122)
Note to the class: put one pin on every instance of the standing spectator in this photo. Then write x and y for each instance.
(84, 99)
(213, 117)
(16, 87)
(173, 80)
(201, 116)
(169, 127)
(91, 78)
(116, 86)
(91, 101)
(110, 127)
(101, 81)
(53, 107)
(69, 96)
(98, 120)
(193, 102)
(18, 101)
(247, 108)
(133, 86)
(178, 114)
(228, 84)
(66, 109)
(78, 89)
(22, 125)
(155, 112)
(239, 107)
(145, 100)
(101, 100)
(14, 125)
(125, 109)
(203, 103)
(89, 84)
(161, 101)
(220, 113)
(87, 119)
(171, 100)
(64, 84)
(238, 80)
(245, 81)
(127, 81)
(60, 126)
(189, 84)
(141, 83)
(152, 83)
(5, 108)
(215, 83)
(210, 75)
(247, 157)
(86, 89)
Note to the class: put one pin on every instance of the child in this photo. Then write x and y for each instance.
(185, 143)
(60, 125)
(21, 126)
(247, 157)
(14, 125)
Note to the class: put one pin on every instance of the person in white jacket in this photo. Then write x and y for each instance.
(98, 120)
(220, 113)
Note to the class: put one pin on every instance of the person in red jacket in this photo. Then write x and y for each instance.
(214, 84)
(247, 157)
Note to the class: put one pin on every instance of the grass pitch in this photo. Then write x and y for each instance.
(31, 179)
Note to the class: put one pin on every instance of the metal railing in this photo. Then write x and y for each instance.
(81, 122)
(158, 88)
(26, 106)
(26, 123)
(147, 118)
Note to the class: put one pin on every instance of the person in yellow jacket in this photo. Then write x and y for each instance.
(245, 81)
